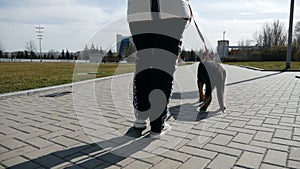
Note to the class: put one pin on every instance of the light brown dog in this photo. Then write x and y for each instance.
(211, 75)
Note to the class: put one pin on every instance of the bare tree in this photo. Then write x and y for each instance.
(2, 49)
(271, 35)
(297, 36)
(30, 46)
(129, 50)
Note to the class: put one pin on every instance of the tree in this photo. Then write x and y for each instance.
(62, 54)
(92, 49)
(85, 53)
(25, 54)
(297, 36)
(53, 54)
(271, 35)
(67, 55)
(129, 50)
(30, 46)
(2, 49)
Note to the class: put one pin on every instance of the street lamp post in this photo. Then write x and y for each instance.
(290, 38)
(224, 32)
(40, 37)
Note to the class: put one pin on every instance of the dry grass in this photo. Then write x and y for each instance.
(23, 76)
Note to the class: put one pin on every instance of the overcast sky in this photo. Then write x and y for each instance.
(70, 24)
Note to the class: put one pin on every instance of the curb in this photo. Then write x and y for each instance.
(263, 70)
(52, 88)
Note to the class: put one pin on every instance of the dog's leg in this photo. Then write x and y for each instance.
(200, 89)
(206, 103)
(221, 90)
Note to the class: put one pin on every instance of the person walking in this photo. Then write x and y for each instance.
(156, 27)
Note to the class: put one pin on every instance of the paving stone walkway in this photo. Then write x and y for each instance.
(90, 126)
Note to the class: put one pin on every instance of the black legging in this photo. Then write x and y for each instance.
(157, 43)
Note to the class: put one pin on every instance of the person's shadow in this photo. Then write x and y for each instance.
(101, 155)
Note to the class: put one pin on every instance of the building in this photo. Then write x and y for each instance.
(223, 49)
(123, 42)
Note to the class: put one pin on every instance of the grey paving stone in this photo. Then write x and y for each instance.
(138, 164)
(64, 141)
(286, 142)
(12, 144)
(297, 131)
(39, 142)
(16, 152)
(3, 149)
(198, 152)
(294, 153)
(222, 139)
(268, 145)
(259, 128)
(276, 157)
(293, 164)
(49, 162)
(237, 123)
(223, 149)
(15, 161)
(129, 160)
(167, 164)
(243, 138)
(195, 163)
(250, 160)
(263, 136)
(271, 121)
(178, 156)
(287, 120)
(285, 134)
(281, 127)
(223, 161)
(42, 152)
(269, 166)
(255, 122)
(242, 130)
(246, 147)
(90, 163)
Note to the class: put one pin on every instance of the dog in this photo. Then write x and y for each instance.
(212, 75)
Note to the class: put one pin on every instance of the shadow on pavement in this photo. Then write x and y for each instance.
(102, 154)
(177, 113)
(253, 79)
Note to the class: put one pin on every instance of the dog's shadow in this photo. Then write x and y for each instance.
(190, 112)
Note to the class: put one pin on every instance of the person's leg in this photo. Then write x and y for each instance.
(141, 86)
(162, 81)
(165, 54)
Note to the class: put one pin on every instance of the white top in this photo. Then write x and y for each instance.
(140, 10)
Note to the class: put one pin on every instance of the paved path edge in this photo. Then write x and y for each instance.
(53, 88)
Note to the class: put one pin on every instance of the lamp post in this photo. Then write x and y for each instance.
(224, 32)
(290, 38)
(40, 37)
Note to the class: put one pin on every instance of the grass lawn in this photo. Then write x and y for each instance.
(267, 65)
(23, 76)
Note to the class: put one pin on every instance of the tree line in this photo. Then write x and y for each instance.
(271, 44)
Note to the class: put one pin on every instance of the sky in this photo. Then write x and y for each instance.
(71, 24)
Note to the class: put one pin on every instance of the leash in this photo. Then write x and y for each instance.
(198, 30)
